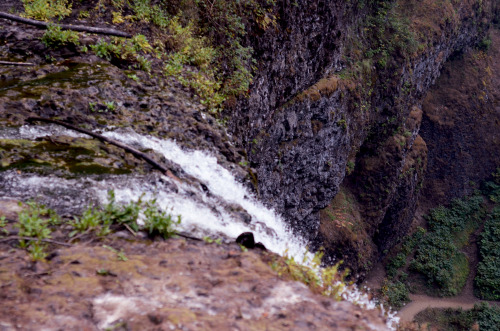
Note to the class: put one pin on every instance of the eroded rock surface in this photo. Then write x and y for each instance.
(168, 285)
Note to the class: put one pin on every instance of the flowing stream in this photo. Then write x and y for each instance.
(206, 210)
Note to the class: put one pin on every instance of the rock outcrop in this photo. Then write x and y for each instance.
(172, 285)
(307, 121)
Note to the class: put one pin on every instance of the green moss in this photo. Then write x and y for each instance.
(66, 154)
(76, 77)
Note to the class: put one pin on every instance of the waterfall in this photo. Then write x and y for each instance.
(202, 211)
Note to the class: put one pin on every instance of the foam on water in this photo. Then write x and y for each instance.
(222, 183)
(266, 225)
(199, 210)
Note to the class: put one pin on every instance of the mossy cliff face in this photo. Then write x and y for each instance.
(461, 122)
(337, 104)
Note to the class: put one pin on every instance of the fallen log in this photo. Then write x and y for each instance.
(79, 28)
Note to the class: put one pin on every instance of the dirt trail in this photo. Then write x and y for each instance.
(419, 302)
(465, 300)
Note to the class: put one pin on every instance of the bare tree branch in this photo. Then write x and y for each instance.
(35, 239)
(129, 149)
(79, 28)
(9, 63)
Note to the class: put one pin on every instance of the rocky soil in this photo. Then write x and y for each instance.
(126, 283)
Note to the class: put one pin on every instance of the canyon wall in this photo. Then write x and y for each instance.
(328, 110)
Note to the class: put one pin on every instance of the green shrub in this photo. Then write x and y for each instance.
(485, 44)
(46, 9)
(438, 255)
(328, 281)
(487, 280)
(492, 188)
(395, 264)
(158, 222)
(485, 316)
(395, 293)
(103, 49)
(488, 317)
(125, 50)
(34, 222)
(101, 220)
(144, 11)
(55, 37)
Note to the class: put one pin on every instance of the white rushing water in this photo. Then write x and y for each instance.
(202, 212)
(199, 211)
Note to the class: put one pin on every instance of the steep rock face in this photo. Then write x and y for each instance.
(300, 141)
(462, 123)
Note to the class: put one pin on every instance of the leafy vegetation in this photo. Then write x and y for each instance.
(3, 224)
(482, 317)
(487, 281)
(100, 220)
(46, 9)
(395, 293)
(158, 222)
(395, 289)
(438, 255)
(200, 42)
(434, 254)
(56, 37)
(328, 281)
(36, 222)
(126, 50)
(390, 34)
(210, 240)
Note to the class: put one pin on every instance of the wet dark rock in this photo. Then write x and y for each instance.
(247, 240)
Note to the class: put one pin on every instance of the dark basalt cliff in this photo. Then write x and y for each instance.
(310, 129)
(461, 122)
